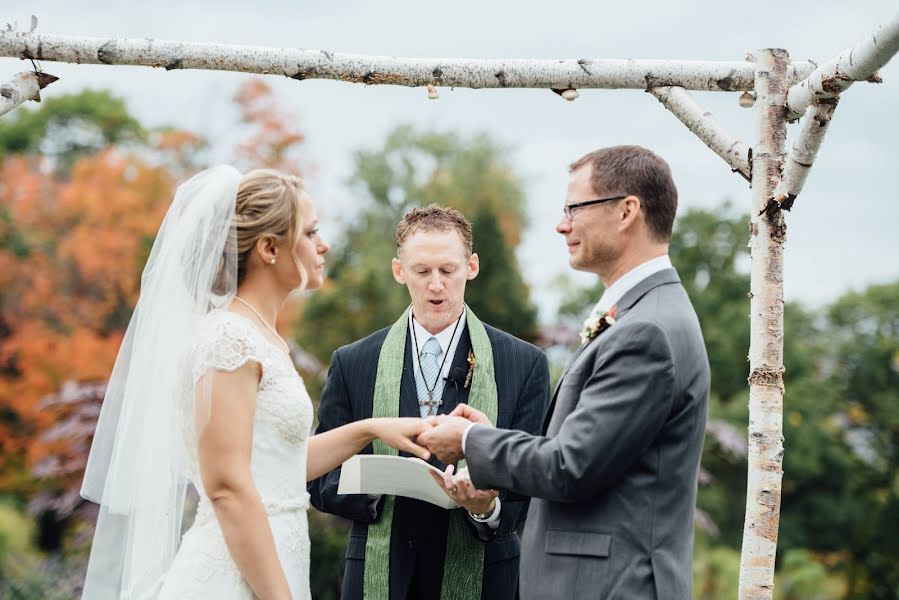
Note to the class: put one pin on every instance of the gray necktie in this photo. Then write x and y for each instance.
(429, 377)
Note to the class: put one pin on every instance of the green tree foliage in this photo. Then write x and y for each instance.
(709, 248)
(417, 169)
(857, 473)
(499, 292)
(69, 127)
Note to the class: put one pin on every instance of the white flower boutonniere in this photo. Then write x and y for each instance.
(595, 325)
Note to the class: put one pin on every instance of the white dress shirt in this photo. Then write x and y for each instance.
(443, 338)
(626, 282)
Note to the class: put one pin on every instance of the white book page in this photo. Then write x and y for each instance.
(394, 475)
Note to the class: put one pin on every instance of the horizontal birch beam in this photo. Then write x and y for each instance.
(700, 122)
(859, 63)
(23, 87)
(380, 70)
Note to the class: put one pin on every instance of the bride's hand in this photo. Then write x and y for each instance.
(401, 433)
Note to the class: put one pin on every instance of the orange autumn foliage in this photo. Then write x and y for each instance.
(72, 248)
(272, 134)
(70, 281)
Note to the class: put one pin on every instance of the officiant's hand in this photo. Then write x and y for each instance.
(461, 490)
(402, 433)
(445, 438)
(472, 414)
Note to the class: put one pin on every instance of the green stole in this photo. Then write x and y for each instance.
(464, 564)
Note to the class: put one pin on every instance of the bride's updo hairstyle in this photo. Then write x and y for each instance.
(268, 204)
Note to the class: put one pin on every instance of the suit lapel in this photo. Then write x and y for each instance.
(633, 296)
(627, 302)
(408, 393)
(552, 403)
(453, 390)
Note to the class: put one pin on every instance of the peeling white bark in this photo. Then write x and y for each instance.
(23, 87)
(859, 63)
(453, 72)
(766, 242)
(700, 121)
(805, 149)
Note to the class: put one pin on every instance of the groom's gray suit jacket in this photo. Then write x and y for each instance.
(614, 477)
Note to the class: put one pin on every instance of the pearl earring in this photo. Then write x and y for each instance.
(272, 261)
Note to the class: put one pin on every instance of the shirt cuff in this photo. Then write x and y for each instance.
(493, 520)
(465, 435)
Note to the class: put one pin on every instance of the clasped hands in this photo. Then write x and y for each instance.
(443, 438)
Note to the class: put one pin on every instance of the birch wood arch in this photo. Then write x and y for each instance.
(781, 90)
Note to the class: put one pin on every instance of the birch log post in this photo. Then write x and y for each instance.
(766, 391)
(23, 87)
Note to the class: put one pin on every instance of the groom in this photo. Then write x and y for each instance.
(613, 476)
(436, 356)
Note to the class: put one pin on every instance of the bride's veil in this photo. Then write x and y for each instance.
(136, 468)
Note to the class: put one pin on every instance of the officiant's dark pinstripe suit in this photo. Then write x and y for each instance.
(418, 537)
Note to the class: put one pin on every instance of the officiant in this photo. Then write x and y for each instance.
(436, 355)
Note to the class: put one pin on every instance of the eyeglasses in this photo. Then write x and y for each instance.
(570, 209)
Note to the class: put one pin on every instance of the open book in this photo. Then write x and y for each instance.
(394, 475)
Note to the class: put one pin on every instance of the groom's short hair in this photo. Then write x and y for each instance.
(433, 218)
(638, 171)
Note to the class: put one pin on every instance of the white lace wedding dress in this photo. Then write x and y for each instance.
(203, 567)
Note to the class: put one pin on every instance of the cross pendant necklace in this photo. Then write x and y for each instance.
(432, 404)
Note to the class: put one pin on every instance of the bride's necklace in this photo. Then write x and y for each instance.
(265, 323)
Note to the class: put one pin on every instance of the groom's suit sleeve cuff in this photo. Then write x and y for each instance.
(493, 520)
(465, 435)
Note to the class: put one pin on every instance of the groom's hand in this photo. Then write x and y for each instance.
(444, 439)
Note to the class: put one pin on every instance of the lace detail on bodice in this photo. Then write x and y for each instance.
(283, 418)
(282, 424)
(226, 342)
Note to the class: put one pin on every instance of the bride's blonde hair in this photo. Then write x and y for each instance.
(268, 204)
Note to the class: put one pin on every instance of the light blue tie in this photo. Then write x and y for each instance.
(430, 368)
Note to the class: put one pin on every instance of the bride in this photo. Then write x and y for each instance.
(204, 392)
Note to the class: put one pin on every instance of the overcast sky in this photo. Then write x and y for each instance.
(842, 230)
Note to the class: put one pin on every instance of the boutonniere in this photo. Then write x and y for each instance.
(470, 370)
(593, 326)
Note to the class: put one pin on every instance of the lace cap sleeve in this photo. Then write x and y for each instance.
(225, 342)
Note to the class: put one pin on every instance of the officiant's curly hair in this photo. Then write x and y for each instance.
(433, 218)
(267, 204)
